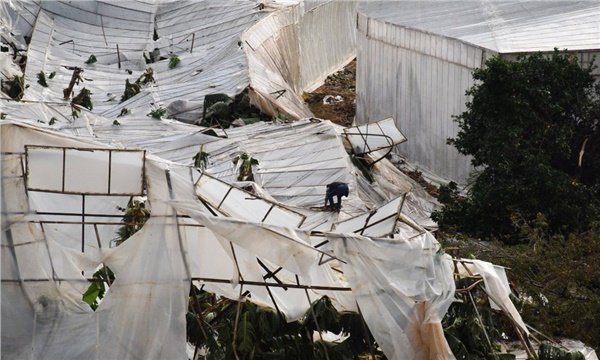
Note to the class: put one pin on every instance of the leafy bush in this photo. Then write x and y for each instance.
(532, 130)
(556, 276)
(264, 334)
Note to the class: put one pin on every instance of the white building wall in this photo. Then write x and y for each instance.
(420, 79)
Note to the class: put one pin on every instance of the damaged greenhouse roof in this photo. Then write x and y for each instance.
(499, 25)
(69, 173)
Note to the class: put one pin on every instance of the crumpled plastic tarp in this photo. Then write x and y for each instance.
(403, 288)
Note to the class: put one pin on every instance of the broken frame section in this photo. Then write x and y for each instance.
(368, 138)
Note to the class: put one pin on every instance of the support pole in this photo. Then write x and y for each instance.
(118, 56)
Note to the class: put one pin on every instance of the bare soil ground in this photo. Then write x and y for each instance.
(335, 100)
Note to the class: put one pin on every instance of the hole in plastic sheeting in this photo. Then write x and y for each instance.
(126, 175)
(45, 169)
(86, 171)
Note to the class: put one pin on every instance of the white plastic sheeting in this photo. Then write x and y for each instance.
(498, 289)
(296, 161)
(204, 35)
(58, 230)
(101, 171)
(499, 25)
(419, 79)
(403, 289)
(295, 48)
(241, 204)
(378, 223)
(215, 245)
(42, 285)
(222, 48)
(149, 299)
(313, 150)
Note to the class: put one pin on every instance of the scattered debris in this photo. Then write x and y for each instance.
(75, 79)
(124, 111)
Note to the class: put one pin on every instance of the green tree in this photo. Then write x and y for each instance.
(532, 129)
(554, 275)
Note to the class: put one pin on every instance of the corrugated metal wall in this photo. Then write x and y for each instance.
(420, 79)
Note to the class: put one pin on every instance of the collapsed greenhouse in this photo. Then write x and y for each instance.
(235, 211)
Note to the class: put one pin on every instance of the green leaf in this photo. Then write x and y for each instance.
(91, 59)
(84, 99)
(158, 113)
(42, 79)
(173, 61)
(549, 352)
(245, 334)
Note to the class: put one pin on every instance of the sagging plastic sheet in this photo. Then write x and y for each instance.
(496, 284)
(245, 251)
(403, 288)
(204, 35)
(143, 313)
(154, 267)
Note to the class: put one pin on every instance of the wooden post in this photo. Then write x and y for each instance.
(192, 47)
(118, 56)
(482, 326)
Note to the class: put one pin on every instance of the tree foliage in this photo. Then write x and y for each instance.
(532, 129)
(555, 276)
(262, 333)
